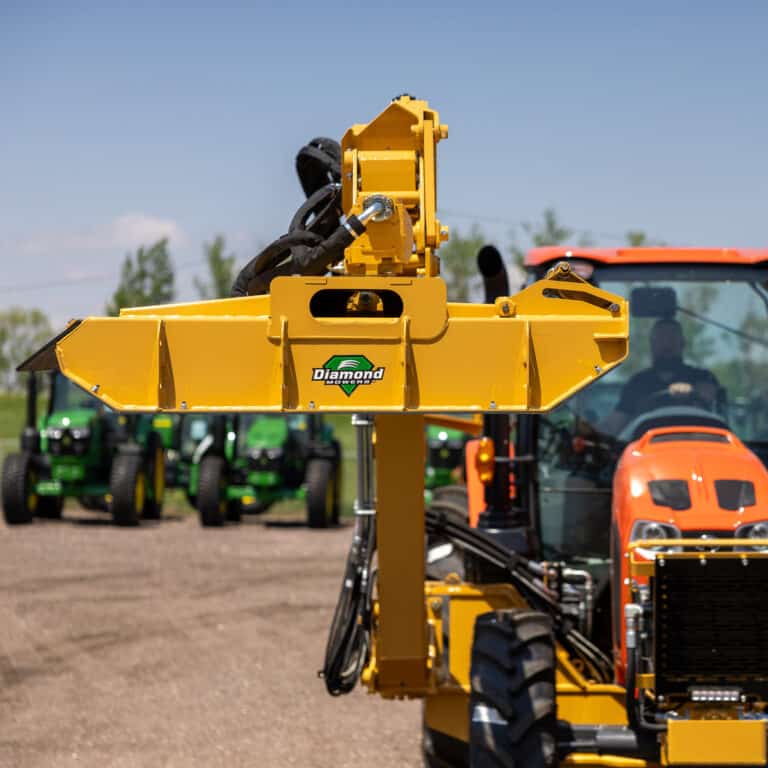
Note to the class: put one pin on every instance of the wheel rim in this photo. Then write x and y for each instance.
(139, 493)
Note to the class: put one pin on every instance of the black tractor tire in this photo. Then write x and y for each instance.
(211, 492)
(127, 485)
(320, 492)
(50, 507)
(453, 494)
(441, 751)
(155, 474)
(19, 499)
(512, 707)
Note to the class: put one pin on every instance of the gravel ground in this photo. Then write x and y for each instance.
(170, 646)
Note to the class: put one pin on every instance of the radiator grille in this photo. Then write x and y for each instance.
(711, 624)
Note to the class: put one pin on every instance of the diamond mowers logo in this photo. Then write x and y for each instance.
(348, 372)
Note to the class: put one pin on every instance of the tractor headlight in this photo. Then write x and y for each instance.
(754, 531)
(274, 453)
(644, 530)
(83, 433)
(53, 433)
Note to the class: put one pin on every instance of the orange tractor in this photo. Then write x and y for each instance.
(666, 454)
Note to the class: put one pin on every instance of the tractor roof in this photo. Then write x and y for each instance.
(655, 255)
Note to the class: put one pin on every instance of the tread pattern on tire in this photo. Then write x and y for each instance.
(512, 705)
(14, 489)
(319, 474)
(212, 474)
(452, 494)
(126, 468)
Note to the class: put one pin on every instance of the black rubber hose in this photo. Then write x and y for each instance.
(521, 575)
(317, 163)
(320, 212)
(250, 280)
(348, 638)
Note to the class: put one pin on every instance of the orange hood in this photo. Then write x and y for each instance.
(727, 485)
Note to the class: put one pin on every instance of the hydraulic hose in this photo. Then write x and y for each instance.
(348, 639)
(522, 574)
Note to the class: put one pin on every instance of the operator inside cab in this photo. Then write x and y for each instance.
(667, 382)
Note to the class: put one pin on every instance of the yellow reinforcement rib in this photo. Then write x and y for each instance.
(289, 352)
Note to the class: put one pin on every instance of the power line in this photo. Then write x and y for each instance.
(512, 223)
(100, 277)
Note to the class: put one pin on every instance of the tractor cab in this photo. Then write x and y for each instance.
(686, 415)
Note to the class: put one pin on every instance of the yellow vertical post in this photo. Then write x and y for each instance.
(402, 637)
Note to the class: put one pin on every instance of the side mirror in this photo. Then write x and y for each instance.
(652, 302)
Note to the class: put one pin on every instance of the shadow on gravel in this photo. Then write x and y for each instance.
(300, 524)
(106, 522)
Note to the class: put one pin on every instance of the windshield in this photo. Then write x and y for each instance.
(698, 355)
(68, 396)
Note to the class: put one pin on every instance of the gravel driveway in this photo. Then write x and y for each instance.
(170, 645)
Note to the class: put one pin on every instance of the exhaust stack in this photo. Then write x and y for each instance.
(495, 279)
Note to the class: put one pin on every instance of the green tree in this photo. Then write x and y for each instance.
(146, 279)
(221, 270)
(458, 263)
(549, 231)
(636, 238)
(22, 332)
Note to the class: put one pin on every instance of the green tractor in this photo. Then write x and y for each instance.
(80, 448)
(445, 457)
(248, 462)
(185, 438)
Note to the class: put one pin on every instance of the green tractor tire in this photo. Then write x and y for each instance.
(321, 493)
(19, 497)
(128, 488)
(212, 504)
(155, 474)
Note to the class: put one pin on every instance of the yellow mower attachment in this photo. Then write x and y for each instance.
(379, 338)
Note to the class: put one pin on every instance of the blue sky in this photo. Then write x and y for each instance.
(120, 123)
